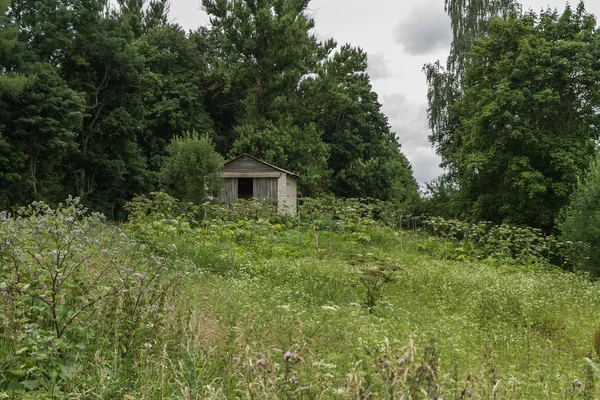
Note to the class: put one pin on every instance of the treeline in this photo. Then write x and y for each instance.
(91, 95)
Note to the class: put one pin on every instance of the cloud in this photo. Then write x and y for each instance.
(409, 122)
(424, 30)
(425, 163)
(379, 67)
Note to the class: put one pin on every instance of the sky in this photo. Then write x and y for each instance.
(400, 36)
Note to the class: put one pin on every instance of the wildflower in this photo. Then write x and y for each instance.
(261, 362)
(293, 380)
(401, 361)
(287, 356)
(235, 359)
(386, 363)
(172, 309)
(148, 345)
(577, 383)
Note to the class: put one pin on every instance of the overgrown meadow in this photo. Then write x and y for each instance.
(349, 300)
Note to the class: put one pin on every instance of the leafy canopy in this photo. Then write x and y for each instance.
(527, 125)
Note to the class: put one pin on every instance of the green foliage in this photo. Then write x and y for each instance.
(192, 172)
(91, 93)
(298, 105)
(469, 21)
(298, 148)
(461, 241)
(266, 49)
(65, 274)
(265, 313)
(443, 198)
(44, 121)
(364, 156)
(174, 96)
(526, 128)
(373, 275)
(579, 221)
(10, 83)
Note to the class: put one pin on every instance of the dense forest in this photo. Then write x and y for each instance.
(91, 95)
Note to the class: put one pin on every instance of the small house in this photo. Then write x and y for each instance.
(247, 177)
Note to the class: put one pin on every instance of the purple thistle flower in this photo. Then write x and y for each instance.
(577, 383)
(401, 361)
(293, 380)
(287, 356)
(235, 359)
(261, 362)
(386, 363)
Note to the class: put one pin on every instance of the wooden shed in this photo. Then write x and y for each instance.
(247, 177)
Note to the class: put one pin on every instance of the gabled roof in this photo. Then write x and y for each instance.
(262, 162)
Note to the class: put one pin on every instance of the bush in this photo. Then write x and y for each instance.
(580, 221)
(192, 172)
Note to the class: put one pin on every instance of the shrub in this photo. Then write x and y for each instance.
(192, 170)
(579, 221)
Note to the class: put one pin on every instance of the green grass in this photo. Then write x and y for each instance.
(479, 330)
(501, 332)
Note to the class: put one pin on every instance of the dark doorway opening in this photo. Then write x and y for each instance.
(245, 188)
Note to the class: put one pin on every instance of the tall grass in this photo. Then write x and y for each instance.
(276, 311)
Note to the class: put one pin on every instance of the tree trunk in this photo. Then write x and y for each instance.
(81, 184)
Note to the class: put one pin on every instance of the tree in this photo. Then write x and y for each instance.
(290, 100)
(192, 171)
(364, 156)
(43, 123)
(175, 91)
(266, 49)
(469, 21)
(142, 15)
(527, 125)
(10, 83)
(104, 64)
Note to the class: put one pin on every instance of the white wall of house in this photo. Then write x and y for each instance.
(286, 194)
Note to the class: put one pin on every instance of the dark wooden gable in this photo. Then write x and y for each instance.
(247, 164)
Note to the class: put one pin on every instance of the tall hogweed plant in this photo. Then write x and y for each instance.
(71, 284)
(459, 240)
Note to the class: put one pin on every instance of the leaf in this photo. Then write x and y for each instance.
(30, 385)
(65, 372)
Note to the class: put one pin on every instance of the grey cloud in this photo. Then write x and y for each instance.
(425, 29)
(425, 163)
(379, 67)
(409, 121)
